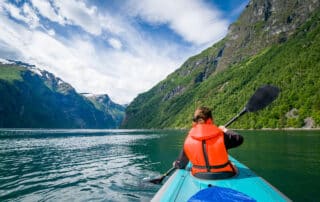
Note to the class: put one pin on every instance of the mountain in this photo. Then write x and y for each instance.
(273, 42)
(34, 98)
(105, 104)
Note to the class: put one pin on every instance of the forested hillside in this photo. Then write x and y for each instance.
(34, 98)
(291, 61)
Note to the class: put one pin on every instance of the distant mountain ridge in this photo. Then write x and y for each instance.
(273, 42)
(34, 98)
(105, 104)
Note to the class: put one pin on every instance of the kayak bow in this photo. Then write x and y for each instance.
(246, 185)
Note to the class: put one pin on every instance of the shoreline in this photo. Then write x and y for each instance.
(291, 129)
(285, 129)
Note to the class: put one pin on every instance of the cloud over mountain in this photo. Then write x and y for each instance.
(108, 47)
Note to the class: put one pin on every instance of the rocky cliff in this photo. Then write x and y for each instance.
(263, 23)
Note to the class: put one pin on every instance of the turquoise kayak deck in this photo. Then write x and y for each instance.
(181, 186)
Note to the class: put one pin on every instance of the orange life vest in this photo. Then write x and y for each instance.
(205, 148)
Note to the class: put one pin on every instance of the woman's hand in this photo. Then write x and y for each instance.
(176, 164)
(224, 129)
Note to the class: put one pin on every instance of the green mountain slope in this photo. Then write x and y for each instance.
(292, 62)
(30, 98)
(105, 104)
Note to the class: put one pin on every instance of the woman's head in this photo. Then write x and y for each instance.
(202, 114)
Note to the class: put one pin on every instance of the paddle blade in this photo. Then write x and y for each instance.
(262, 97)
(157, 180)
(160, 179)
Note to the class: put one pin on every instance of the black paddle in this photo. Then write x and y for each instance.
(259, 100)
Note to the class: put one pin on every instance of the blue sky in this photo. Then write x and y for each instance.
(118, 47)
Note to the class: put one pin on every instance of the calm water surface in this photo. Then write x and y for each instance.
(110, 165)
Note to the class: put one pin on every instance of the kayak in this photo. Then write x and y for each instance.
(245, 186)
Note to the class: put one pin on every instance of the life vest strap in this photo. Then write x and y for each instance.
(213, 167)
(215, 176)
(205, 155)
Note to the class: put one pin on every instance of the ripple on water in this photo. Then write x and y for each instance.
(44, 167)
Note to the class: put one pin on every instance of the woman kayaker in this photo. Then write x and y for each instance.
(206, 147)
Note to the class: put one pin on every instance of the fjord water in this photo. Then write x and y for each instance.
(112, 165)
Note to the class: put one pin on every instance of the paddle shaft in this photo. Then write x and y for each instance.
(169, 171)
(236, 117)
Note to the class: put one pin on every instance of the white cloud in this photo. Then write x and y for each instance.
(77, 13)
(121, 74)
(195, 21)
(13, 11)
(45, 9)
(115, 43)
(31, 17)
(26, 14)
(51, 32)
(136, 61)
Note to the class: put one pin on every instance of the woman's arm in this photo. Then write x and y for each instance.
(231, 139)
(181, 161)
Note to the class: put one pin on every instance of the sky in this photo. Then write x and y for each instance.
(117, 47)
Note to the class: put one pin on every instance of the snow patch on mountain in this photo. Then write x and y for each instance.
(36, 71)
(5, 62)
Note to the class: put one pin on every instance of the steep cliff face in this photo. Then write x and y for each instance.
(273, 41)
(263, 23)
(34, 98)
